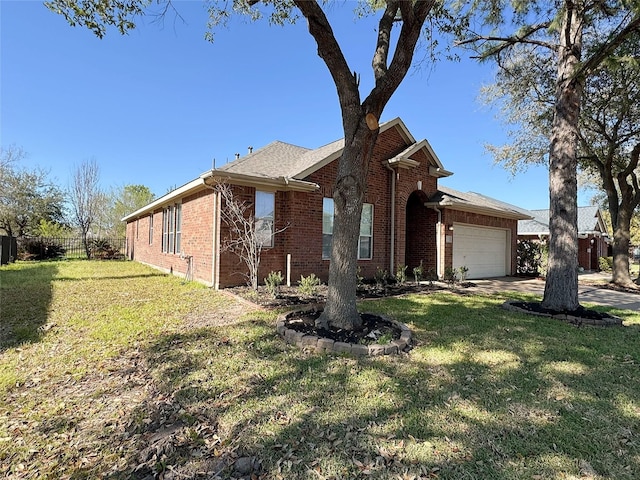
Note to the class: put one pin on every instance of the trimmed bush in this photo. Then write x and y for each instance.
(308, 286)
(401, 274)
(605, 264)
(273, 282)
(529, 257)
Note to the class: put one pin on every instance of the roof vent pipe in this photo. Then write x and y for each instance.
(250, 149)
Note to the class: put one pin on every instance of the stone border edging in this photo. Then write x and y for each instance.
(612, 321)
(326, 345)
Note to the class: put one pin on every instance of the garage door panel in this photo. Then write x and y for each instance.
(482, 250)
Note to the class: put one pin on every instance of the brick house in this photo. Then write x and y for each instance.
(593, 240)
(407, 217)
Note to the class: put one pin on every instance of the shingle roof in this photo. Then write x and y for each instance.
(280, 159)
(539, 225)
(275, 160)
(588, 221)
(448, 197)
(311, 159)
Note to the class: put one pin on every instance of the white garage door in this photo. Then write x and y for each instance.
(482, 250)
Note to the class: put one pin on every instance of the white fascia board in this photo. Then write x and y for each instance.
(463, 207)
(269, 183)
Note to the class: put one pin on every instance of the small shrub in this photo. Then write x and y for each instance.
(431, 276)
(376, 337)
(605, 264)
(417, 272)
(401, 274)
(359, 277)
(101, 248)
(450, 276)
(273, 282)
(381, 277)
(308, 286)
(463, 271)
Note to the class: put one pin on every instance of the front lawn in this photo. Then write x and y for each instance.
(113, 370)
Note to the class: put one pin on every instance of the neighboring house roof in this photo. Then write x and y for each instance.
(476, 203)
(589, 222)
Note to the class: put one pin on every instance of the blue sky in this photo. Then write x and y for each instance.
(157, 106)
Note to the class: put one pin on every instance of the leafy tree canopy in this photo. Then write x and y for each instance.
(123, 201)
(27, 196)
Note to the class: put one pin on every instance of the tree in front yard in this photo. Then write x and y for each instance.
(572, 39)
(610, 145)
(391, 58)
(609, 132)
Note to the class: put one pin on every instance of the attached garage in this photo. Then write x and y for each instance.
(484, 251)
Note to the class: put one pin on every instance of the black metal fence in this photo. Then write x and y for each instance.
(8, 249)
(35, 248)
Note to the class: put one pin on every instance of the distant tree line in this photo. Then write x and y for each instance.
(33, 204)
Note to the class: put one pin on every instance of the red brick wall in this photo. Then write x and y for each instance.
(196, 238)
(589, 253)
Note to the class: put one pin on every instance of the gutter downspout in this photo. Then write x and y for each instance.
(392, 239)
(438, 239)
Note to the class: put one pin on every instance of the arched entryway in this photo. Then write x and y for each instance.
(420, 233)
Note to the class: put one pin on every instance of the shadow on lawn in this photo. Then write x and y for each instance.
(484, 394)
(113, 277)
(25, 296)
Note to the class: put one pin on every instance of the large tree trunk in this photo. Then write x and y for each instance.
(627, 181)
(348, 196)
(561, 287)
(621, 243)
(359, 136)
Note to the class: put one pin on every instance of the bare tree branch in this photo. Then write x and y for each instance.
(244, 238)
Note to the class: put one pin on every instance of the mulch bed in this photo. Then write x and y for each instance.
(291, 297)
(373, 329)
(580, 316)
(536, 307)
(613, 286)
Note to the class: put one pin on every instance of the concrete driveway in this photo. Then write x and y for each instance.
(586, 293)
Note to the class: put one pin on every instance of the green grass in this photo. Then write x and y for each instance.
(101, 360)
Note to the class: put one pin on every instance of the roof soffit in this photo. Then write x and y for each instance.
(462, 207)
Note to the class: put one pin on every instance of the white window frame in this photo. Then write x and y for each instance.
(172, 228)
(366, 231)
(151, 228)
(178, 229)
(264, 217)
